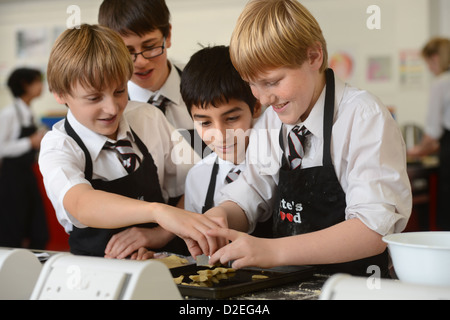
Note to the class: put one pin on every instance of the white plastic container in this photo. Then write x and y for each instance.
(421, 257)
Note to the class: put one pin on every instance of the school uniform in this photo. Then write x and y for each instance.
(72, 154)
(205, 179)
(22, 214)
(437, 126)
(204, 182)
(354, 166)
(168, 99)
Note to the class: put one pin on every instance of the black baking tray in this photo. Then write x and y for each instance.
(240, 281)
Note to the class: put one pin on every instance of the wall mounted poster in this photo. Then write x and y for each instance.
(411, 69)
(379, 69)
(32, 43)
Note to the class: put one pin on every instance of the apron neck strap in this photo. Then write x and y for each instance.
(327, 121)
(328, 117)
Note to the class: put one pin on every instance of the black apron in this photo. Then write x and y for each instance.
(262, 229)
(22, 215)
(443, 208)
(312, 199)
(142, 184)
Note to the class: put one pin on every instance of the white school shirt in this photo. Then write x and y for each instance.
(368, 154)
(198, 178)
(438, 115)
(62, 161)
(10, 128)
(176, 111)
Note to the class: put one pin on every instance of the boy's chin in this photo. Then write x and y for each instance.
(231, 157)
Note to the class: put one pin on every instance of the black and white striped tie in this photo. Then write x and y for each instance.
(159, 101)
(296, 142)
(125, 154)
(232, 175)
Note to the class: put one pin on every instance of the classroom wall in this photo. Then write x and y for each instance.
(383, 53)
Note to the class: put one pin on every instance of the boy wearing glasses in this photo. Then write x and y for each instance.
(146, 30)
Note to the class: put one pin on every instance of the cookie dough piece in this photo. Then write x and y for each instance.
(173, 261)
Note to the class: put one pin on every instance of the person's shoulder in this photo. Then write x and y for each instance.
(136, 110)
(443, 80)
(7, 111)
(58, 139)
(360, 101)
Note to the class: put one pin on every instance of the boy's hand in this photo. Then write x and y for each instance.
(142, 254)
(191, 227)
(123, 244)
(244, 250)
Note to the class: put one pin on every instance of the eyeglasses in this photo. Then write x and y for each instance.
(150, 53)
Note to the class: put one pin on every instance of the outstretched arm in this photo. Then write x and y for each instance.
(99, 209)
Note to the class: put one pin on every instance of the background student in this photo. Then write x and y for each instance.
(146, 30)
(437, 129)
(333, 172)
(22, 216)
(97, 188)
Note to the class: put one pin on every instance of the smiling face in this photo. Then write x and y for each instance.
(149, 73)
(292, 92)
(225, 128)
(99, 111)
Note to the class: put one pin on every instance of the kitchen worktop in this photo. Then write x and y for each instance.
(303, 290)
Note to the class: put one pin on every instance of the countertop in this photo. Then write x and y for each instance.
(304, 290)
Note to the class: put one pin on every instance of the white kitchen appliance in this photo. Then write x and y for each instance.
(19, 271)
(346, 287)
(72, 277)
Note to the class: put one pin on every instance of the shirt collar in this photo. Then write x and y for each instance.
(225, 167)
(170, 88)
(314, 122)
(24, 109)
(93, 141)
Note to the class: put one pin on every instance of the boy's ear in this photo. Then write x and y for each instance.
(257, 110)
(169, 38)
(315, 56)
(59, 99)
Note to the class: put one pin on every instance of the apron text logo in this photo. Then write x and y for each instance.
(291, 206)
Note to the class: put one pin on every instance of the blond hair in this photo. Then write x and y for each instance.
(272, 34)
(91, 55)
(441, 47)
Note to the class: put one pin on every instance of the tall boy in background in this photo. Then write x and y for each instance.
(146, 30)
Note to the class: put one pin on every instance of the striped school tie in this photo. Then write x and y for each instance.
(296, 141)
(125, 154)
(159, 101)
(232, 175)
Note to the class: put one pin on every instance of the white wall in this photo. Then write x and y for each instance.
(405, 26)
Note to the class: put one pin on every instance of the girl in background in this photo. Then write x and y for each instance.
(437, 127)
(22, 216)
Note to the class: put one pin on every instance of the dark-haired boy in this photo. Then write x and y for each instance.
(224, 109)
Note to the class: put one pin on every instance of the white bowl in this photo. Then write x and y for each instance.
(421, 257)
